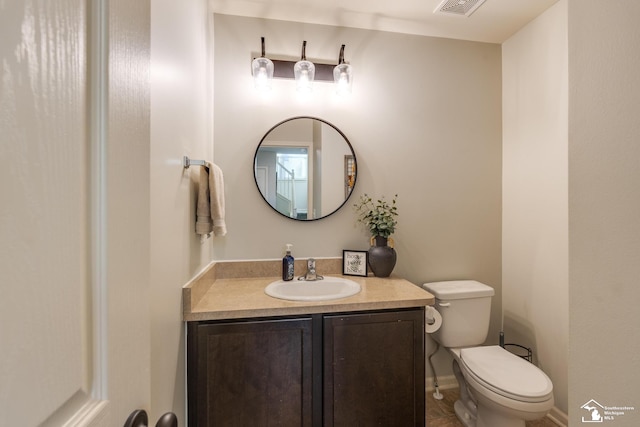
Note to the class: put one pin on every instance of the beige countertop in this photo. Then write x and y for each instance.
(217, 294)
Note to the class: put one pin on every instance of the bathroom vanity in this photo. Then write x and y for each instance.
(257, 360)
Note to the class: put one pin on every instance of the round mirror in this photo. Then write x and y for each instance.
(305, 168)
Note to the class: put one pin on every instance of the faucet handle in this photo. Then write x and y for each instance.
(311, 271)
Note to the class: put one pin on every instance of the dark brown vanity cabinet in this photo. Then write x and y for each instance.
(343, 370)
(250, 373)
(374, 369)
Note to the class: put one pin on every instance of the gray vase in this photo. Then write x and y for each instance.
(382, 257)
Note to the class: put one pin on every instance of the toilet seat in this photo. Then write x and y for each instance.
(506, 374)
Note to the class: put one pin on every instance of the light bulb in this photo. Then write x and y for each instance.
(304, 72)
(342, 75)
(262, 73)
(343, 78)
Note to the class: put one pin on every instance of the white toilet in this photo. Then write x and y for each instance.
(497, 388)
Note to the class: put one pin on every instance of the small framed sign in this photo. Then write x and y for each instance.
(355, 263)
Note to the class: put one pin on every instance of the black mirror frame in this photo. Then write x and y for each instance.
(355, 161)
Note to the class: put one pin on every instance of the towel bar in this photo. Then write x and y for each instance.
(186, 162)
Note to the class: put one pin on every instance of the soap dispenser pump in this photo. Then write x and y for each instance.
(287, 264)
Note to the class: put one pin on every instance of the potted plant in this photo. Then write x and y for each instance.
(380, 219)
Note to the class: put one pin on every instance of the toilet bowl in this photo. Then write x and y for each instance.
(497, 388)
(504, 390)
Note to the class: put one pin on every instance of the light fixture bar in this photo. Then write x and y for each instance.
(284, 70)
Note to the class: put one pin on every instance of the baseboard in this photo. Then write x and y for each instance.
(558, 417)
(444, 383)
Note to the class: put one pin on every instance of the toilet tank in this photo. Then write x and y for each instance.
(465, 307)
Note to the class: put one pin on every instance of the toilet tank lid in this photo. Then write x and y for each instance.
(459, 289)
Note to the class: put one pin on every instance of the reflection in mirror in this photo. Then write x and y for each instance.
(305, 168)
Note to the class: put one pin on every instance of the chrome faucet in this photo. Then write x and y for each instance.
(311, 274)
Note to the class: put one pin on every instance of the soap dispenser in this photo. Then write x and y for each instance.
(287, 264)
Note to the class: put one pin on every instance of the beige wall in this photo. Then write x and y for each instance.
(535, 236)
(604, 206)
(440, 151)
(424, 119)
(181, 124)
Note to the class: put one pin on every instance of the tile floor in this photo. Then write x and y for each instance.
(440, 412)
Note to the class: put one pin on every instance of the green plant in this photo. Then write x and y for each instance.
(378, 217)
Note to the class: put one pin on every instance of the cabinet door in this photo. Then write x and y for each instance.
(374, 369)
(250, 373)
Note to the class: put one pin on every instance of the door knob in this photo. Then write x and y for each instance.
(139, 418)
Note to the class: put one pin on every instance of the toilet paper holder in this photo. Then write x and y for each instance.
(432, 320)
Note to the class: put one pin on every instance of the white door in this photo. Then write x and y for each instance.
(74, 210)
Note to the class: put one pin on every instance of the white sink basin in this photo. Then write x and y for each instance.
(321, 290)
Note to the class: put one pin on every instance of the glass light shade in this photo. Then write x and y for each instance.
(304, 72)
(262, 70)
(343, 78)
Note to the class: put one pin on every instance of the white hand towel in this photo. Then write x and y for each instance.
(216, 190)
(210, 209)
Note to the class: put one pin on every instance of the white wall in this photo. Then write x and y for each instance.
(604, 206)
(424, 119)
(181, 124)
(535, 236)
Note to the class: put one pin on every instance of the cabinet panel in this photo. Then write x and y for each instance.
(250, 373)
(374, 369)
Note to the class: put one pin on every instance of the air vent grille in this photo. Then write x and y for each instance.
(458, 7)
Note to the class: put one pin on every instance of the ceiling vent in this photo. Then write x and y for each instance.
(458, 7)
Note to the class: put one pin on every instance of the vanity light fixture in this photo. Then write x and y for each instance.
(262, 70)
(304, 71)
(343, 75)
